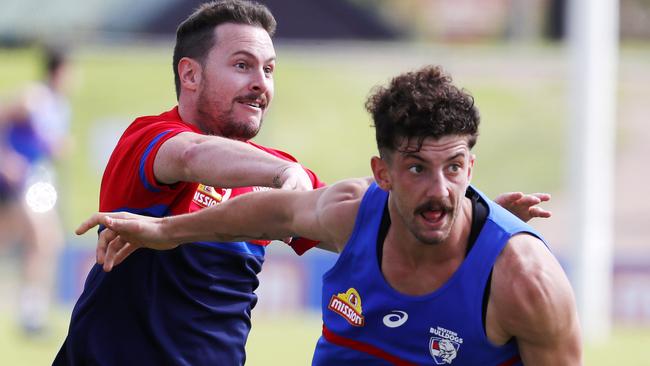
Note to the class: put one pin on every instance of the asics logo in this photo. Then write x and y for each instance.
(395, 318)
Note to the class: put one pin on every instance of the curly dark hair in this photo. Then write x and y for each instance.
(420, 104)
(195, 35)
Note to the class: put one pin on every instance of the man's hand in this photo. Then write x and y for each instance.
(524, 206)
(125, 232)
(293, 177)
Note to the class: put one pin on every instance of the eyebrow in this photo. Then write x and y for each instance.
(460, 154)
(417, 157)
(250, 55)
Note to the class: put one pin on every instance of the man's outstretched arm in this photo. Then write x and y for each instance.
(326, 215)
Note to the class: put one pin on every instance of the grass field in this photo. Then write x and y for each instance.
(290, 341)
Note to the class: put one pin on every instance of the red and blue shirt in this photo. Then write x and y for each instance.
(186, 306)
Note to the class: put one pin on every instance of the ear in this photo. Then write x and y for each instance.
(380, 171)
(470, 170)
(190, 73)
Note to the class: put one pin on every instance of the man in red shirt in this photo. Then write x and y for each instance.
(203, 293)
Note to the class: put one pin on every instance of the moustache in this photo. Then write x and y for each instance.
(445, 207)
(252, 98)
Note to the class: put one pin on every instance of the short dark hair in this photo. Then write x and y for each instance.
(195, 35)
(53, 59)
(420, 104)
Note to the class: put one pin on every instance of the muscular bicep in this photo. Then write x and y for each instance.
(169, 165)
(532, 301)
(336, 212)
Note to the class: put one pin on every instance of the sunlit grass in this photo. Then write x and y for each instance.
(287, 340)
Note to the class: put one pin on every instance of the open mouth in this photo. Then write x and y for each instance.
(254, 104)
(433, 216)
(257, 103)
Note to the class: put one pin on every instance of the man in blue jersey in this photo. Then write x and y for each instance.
(430, 271)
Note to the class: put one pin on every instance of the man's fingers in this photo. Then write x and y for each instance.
(295, 178)
(90, 223)
(508, 198)
(124, 226)
(113, 248)
(527, 201)
(539, 212)
(100, 218)
(105, 237)
(543, 197)
(292, 184)
(126, 250)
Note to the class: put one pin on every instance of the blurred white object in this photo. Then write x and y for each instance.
(41, 197)
(593, 31)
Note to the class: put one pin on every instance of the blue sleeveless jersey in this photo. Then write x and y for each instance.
(367, 322)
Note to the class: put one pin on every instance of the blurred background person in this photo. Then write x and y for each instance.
(34, 132)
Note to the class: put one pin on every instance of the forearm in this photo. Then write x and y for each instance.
(226, 163)
(247, 217)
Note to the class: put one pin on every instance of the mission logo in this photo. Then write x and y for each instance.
(348, 305)
(206, 196)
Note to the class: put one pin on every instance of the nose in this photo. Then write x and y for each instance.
(437, 187)
(260, 81)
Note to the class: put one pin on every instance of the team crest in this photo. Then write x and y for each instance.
(444, 345)
(348, 305)
(206, 196)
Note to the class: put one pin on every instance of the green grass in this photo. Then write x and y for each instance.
(289, 340)
(18, 349)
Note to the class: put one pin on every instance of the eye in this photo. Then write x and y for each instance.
(268, 70)
(416, 169)
(241, 65)
(455, 168)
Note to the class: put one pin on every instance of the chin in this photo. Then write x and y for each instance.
(242, 130)
(431, 241)
(432, 238)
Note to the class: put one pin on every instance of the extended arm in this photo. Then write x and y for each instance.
(326, 214)
(532, 301)
(222, 162)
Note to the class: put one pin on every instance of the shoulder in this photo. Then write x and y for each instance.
(348, 189)
(154, 129)
(530, 296)
(164, 121)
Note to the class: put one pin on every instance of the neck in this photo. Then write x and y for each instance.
(187, 113)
